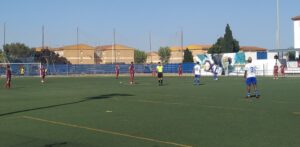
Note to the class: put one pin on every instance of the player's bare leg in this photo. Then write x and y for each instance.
(7, 85)
(131, 78)
(43, 79)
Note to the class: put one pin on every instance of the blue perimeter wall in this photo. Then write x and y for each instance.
(110, 68)
(69, 69)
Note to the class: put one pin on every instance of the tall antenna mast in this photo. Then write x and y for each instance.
(277, 43)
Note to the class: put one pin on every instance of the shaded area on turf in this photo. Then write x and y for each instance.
(105, 96)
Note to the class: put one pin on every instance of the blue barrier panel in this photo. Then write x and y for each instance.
(64, 69)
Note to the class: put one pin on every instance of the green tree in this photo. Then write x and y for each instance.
(139, 56)
(47, 56)
(226, 44)
(164, 54)
(291, 55)
(228, 40)
(1, 57)
(17, 52)
(217, 47)
(236, 46)
(188, 56)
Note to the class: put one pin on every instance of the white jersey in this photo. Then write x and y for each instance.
(251, 70)
(214, 68)
(197, 69)
(207, 66)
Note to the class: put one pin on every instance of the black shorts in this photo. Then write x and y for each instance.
(160, 75)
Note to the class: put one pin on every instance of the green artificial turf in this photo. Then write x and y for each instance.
(103, 111)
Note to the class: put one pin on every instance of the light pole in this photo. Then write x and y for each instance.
(150, 45)
(277, 42)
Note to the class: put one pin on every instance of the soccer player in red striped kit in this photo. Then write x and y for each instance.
(131, 72)
(179, 70)
(8, 77)
(43, 73)
(117, 70)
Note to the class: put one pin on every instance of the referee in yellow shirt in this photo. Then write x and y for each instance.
(22, 71)
(159, 69)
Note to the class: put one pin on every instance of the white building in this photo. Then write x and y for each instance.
(296, 34)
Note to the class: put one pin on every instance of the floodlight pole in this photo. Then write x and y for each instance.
(4, 35)
(277, 44)
(114, 46)
(77, 43)
(43, 37)
(181, 39)
(150, 45)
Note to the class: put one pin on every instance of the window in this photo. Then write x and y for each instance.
(262, 55)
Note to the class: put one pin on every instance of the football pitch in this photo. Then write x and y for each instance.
(103, 111)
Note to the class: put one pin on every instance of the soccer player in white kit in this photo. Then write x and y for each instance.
(197, 72)
(250, 76)
(214, 70)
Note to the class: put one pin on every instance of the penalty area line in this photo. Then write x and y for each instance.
(296, 113)
(103, 131)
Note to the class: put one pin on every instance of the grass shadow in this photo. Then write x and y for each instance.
(105, 96)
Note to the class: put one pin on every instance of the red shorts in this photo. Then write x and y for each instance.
(131, 74)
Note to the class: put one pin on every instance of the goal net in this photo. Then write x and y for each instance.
(21, 69)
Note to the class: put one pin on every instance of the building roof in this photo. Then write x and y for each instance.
(110, 47)
(296, 18)
(152, 54)
(198, 47)
(74, 47)
(284, 50)
(79, 46)
(176, 48)
(191, 47)
(38, 49)
(252, 49)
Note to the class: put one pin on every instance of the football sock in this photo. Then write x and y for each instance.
(248, 94)
(256, 92)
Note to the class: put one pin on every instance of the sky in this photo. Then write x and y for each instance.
(253, 22)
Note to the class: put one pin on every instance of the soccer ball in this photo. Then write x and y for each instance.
(120, 82)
